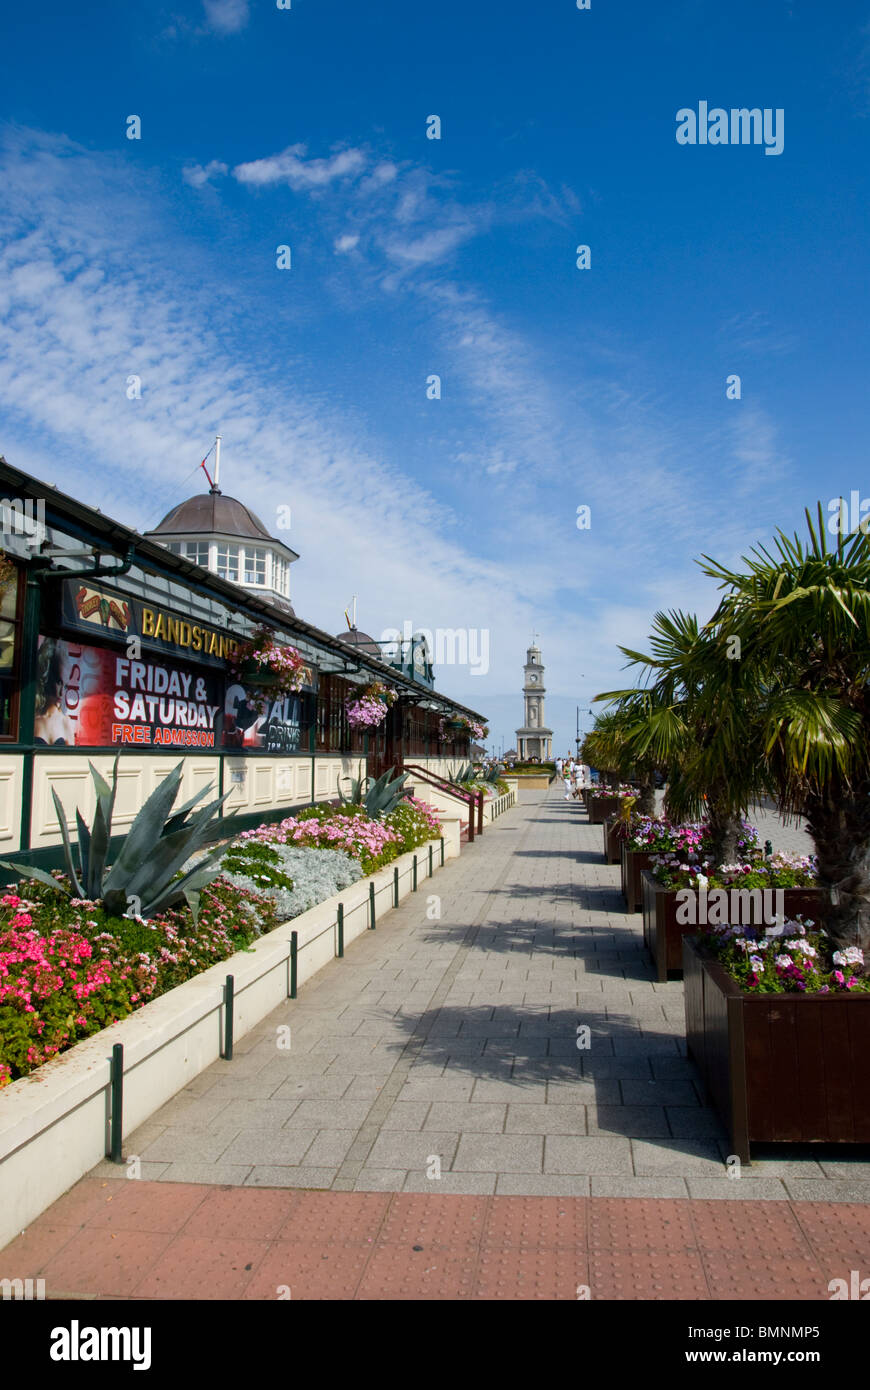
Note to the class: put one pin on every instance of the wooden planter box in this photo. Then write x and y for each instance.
(614, 837)
(633, 862)
(778, 1068)
(600, 807)
(663, 934)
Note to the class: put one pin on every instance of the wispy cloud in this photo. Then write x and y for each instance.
(291, 168)
(198, 175)
(226, 16)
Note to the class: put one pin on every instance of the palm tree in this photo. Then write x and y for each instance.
(801, 615)
(696, 715)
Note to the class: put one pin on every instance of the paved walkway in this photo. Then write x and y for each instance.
(440, 1057)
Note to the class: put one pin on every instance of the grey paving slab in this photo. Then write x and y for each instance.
(633, 1121)
(603, 1185)
(221, 1174)
(278, 1146)
(541, 1185)
(585, 1156)
(465, 1184)
(724, 1189)
(499, 1153)
(546, 1119)
(677, 1158)
(286, 1176)
(177, 1145)
(466, 1116)
(392, 1149)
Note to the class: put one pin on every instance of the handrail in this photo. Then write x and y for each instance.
(467, 797)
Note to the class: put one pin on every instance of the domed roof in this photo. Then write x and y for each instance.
(210, 513)
(361, 641)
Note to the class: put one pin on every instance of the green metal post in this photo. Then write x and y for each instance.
(340, 930)
(415, 873)
(371, 907)
(294, 952)
(442, 851)
(117, 1101)
(395, 888)
(229, 998)
(431, 847)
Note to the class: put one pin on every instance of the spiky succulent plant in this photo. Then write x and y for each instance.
(142, 880)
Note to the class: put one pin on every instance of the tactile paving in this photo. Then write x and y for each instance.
(189, 1241)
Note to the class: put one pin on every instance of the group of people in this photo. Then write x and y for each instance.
(573, 774)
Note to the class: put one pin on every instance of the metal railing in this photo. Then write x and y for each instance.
(468, 798)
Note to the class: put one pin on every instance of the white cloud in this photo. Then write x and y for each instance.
(346, 242)
(198, 175)
(290, 167)
(226, 16)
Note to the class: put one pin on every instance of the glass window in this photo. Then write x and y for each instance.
(255, 565)
(228, 562)
(278, 574)
(175, 547)
(197, 551)
(10, 623)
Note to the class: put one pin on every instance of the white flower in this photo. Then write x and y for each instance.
(702, 881)
(803, 946)
(851, 955)
(783, 961)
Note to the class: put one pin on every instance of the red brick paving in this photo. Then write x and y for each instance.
(159, 1240)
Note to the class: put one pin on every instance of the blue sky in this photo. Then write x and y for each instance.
(410, 257)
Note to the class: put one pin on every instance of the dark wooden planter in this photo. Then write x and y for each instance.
(600, 807)
(633, 862)
(778, 1068)
(663, 934)
(614, 836)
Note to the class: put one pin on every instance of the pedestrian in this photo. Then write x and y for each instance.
(567, 781)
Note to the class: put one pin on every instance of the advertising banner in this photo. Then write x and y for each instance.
(97, 697)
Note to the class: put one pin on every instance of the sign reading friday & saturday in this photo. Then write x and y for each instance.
(93, 697)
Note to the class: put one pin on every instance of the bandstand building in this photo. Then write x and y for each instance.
(111, 639)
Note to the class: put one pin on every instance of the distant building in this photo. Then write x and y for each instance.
(534, 740)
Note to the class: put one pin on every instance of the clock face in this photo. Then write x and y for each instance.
(533, 679)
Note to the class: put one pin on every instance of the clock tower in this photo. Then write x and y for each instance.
(534, 739)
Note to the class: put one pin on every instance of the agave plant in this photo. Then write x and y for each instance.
(142, 880)
(384, 795)
(357, 791)
(465, 774)
(376, 798)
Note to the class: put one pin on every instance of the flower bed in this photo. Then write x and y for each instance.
(69, 969)
(788, 957)
(373, 843)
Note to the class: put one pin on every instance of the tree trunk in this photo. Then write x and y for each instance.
(726, 831)
(840, 828)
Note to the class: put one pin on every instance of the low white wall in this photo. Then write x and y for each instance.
(54, 1124)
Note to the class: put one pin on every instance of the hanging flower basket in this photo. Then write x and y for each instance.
(449, 729)
(368, 709)
(267, 670)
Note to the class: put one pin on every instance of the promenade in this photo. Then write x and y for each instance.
(434, 1131)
